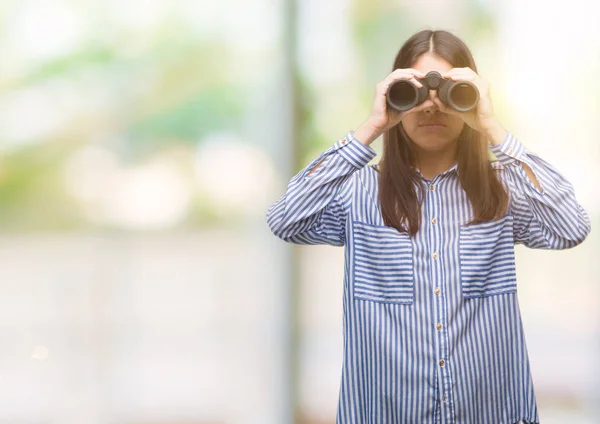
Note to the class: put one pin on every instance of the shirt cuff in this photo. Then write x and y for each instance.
(354, 151)
(509, 151)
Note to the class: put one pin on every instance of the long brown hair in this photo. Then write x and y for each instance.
(398, 179)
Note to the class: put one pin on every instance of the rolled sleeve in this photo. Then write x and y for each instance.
(354, 151)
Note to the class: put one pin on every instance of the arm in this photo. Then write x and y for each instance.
(543, 203)
(314, 208)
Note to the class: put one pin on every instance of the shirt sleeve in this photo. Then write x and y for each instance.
(314, 208)
(550, 218)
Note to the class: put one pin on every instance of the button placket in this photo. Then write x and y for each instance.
(440, 328)
(432, 186)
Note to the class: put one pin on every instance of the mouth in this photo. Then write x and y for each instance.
(432, 125)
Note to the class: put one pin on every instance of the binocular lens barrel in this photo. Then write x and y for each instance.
(403, 95)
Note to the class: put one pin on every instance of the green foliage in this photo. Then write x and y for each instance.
(190, 119)
(32, 191)
(171, 86)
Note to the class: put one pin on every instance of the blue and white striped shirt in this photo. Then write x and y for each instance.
(432, 325)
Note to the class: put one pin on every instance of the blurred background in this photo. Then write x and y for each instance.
(141, 144)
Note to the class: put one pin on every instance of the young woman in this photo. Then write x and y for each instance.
(432, 325)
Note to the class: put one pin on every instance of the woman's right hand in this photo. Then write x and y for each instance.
(383, 117)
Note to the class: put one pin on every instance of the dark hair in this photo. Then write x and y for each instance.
(399, 179)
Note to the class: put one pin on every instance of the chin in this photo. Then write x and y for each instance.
(433, 142)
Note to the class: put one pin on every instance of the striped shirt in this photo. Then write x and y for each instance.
(432, 328)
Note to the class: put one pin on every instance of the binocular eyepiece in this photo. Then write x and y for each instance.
(403, 95)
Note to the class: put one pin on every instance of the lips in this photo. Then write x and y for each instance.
(432, 124)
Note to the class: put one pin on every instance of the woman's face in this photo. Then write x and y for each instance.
(430, 129)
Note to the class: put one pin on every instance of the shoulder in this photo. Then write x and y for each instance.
(367, 176)
(370, 171)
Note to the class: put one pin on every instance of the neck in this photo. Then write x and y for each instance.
(432, 163)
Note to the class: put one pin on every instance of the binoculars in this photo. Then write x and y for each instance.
(403, 95)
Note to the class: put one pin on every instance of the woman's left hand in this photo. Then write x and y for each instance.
(481, 118)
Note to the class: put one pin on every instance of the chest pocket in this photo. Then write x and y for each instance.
(487, 258)
(383, 264)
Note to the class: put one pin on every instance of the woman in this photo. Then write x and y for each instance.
(432, 326)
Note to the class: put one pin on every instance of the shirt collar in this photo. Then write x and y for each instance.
(453, 168)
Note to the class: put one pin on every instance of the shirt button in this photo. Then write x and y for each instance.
(344, 141)
(510, 150)
(435, 255)
(431, 187)
(434, 221)
(437, 291)
(442, 362)
(439, 326)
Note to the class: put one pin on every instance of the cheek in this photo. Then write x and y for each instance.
(456, 125)
(409, 123)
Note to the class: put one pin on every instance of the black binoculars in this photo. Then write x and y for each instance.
(461, 95)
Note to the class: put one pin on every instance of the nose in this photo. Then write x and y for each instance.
(432, 106)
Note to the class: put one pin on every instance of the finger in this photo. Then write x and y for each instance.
(464, 77)
(458, 71)
(395, 76)
(403, 74)
(459, 74)
(416, 82)
(449, 73)
(410, 71)
(411, 76)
